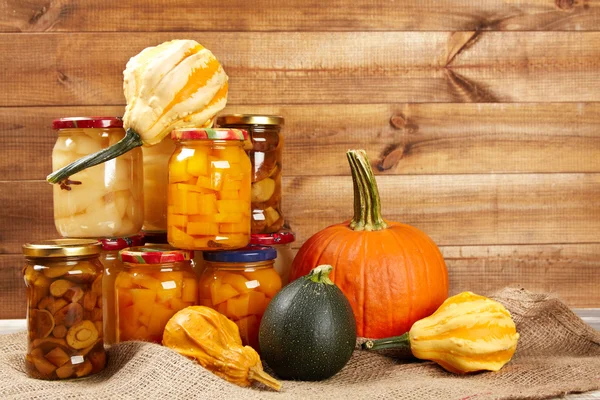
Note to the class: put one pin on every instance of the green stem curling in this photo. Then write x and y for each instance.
(129, 142)
(320, 274)
(367, 206)
(396, 342)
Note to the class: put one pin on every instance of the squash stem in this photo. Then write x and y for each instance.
(130, 141)
(396, 342)
(367, 205)
(257, 374)
(320, 274)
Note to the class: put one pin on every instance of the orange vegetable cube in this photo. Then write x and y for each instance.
(240, 227)
(248, 327)
(198, 164)
(172, 189)
(230, 184)
(144, 319)
(146, 281)
(207, 204)
(143, 298)
(177, 220)
(234, 172)
(222, 308)
(178, 236)
(229, 153)
(251, 303)
(203, 218)
(178, 171)
(124, 298)
(124, 281)
(245, 191)
(204, 287)
(180, 201)
(233, 206)
(140, 334)
(269, 279)
(192, 181)
(202, 229)
(204, 182)
(228, 195)
(176, 304)
(159, 318)
(189, 291)
(220, 292)
(206, 303)
(238, 281)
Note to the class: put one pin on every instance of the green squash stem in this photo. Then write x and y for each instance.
(396, 342)
(367, 206)
(129, 142)
(320, 274)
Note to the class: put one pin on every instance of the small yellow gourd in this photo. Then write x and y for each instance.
(467, 333)
(213, 340)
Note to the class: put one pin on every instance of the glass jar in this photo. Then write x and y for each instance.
(112, 266)
(240, 284)
(64, 308)
(102, 201)
(156, 179)
(209, 190)
(266, 157)
(155, 283)
(282, 243)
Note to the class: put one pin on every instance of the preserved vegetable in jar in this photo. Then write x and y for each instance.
(112, 266)
(266, 157)
(156, 179)
(240, 284)
(156, 281)
(64, 308)
(209, 190)
(102, 201)
(281, 241)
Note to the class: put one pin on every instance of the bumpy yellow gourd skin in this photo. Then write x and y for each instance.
(213, 340)
(467, 333)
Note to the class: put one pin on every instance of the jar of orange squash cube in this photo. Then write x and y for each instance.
(109, 257)
(209, 190)
(240, 284)
(156, 281)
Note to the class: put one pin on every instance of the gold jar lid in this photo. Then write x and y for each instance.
(63, 248)
(249, 119)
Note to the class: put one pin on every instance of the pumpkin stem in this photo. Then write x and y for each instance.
(320, 274)
(367, 206)
(396, 342)
(130, 141)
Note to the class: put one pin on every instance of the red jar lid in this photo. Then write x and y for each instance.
(87, 122)
(112, 244)
(269, 239)
(154, 254)
(209, 133)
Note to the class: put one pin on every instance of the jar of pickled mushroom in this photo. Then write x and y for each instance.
(282, 242)
(102, 201)
(209, 190)
(156, 281)
(112, 266)
(266, 157)
(64, 308)
(240, 284)
(156, 179)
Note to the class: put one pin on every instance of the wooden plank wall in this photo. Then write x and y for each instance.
(481, 118)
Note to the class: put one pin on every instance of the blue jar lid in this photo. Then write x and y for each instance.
(247, 254)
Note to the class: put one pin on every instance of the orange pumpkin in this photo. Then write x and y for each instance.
(393, 274)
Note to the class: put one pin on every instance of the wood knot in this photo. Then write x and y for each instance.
(61, 77)
(565, 4)
(38, 14)
(398, 121)
(392, 155)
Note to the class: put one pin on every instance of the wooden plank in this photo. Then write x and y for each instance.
(296, 15)
(318, 68)
(400, 139)
(452, 209)
(569, 271)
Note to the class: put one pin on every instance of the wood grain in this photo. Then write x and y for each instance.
(321, 67)
(296, 15)
(569, 271)
(400, 139)
(452, 209)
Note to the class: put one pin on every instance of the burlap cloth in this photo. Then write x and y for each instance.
(557, 354)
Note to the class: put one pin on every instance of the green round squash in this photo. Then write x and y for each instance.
(308, 331)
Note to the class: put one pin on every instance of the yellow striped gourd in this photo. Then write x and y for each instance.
(467, 333)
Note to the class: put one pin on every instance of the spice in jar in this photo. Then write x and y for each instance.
(266, 157)
(102, 201)
(112, 266)
(209, 190)
(64, 308)
(156, 281)
(240, 284)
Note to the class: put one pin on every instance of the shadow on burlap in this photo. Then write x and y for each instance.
(557, 354)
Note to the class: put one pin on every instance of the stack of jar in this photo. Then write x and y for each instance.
(199, 191)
